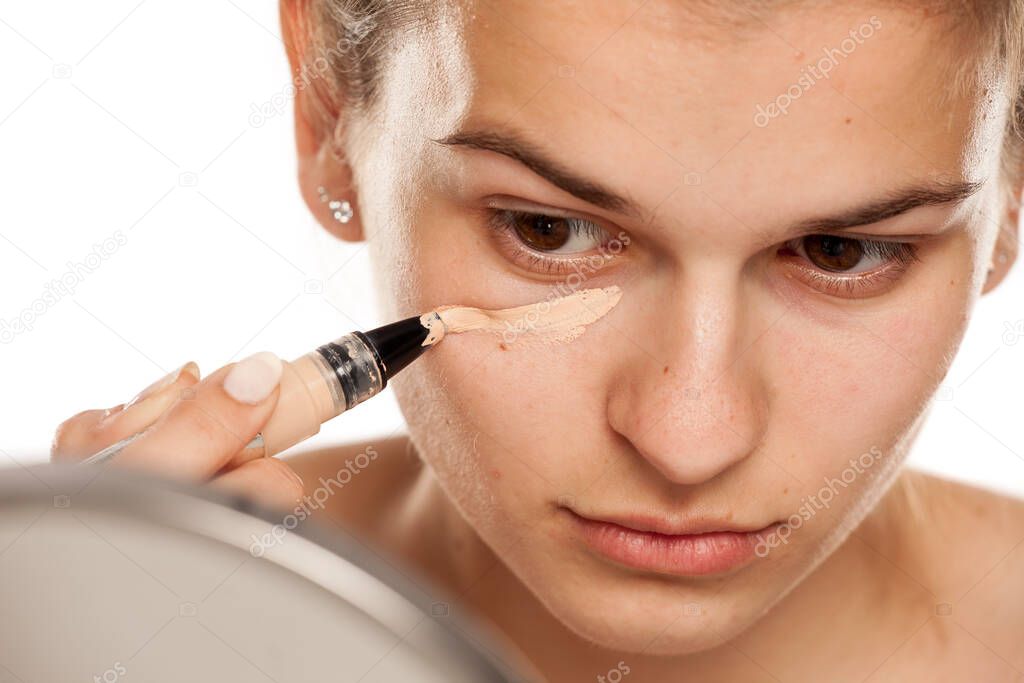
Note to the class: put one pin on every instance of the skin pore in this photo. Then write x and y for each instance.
(735, 376)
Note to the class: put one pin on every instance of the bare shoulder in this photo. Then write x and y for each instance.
(977, 536)
(965, 552)
(357, 485)
(963, 506)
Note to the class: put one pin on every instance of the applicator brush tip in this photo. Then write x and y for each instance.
(436, 328)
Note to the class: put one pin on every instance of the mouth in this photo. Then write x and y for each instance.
(699, 547)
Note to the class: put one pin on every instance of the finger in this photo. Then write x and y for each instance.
(202, 431)
(74, 437)
(93, 430)
(265, 480)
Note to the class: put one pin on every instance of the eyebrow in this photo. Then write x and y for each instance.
(530, 155)
(897, 203)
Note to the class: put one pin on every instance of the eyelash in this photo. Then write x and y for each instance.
(898, 256)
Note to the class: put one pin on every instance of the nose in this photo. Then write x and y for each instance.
(692, 400)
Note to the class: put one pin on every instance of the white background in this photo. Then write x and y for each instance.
(136, 117)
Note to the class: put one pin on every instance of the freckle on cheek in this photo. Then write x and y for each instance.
(501, 345)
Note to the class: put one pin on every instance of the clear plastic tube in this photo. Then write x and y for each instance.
(316, 387)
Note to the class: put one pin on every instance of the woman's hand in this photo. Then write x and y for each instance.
(198, 430)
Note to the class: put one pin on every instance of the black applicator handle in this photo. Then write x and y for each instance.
(396, 345)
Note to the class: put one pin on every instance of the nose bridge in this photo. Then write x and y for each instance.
(693, 405)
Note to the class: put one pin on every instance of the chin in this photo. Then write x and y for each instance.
(665, 632)
(654, 616)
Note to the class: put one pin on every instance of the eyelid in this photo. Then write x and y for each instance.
(507, 203)
(845, 234)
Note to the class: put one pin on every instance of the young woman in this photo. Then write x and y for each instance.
(801, 203)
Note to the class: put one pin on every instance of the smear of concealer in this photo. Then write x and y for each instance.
(550, 321)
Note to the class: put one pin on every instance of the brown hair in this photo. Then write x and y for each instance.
(346, 45)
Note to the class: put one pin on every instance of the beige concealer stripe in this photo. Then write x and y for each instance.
(554, 321)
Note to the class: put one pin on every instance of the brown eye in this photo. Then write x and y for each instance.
(832, 253)
(543, 233)
(549, 235)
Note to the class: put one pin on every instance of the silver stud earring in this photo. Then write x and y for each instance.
(340, 208)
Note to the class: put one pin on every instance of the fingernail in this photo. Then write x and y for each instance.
(111, 412)
(252, 379)
(164, 382)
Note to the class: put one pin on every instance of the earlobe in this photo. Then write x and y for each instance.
(325, 185)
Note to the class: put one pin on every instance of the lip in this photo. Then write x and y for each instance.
(692, 548)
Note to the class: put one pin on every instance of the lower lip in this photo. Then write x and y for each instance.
(683, 555)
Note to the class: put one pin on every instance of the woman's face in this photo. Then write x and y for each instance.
(751, 361)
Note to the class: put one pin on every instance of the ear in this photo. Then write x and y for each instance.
(1005, 252)
(320, 165)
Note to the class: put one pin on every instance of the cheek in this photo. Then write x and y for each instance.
(861, 381)
(855, 384)
(523, 409)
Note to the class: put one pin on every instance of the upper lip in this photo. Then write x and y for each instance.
(668, 526)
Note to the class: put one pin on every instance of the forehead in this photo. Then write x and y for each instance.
(648, 96)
